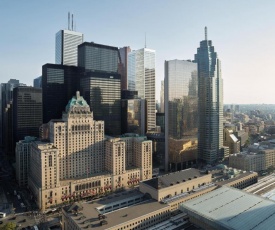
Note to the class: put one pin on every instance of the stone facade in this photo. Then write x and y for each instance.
(79, 161)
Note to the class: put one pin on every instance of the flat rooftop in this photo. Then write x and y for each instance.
(88, 213)
(230, 208)
(173, 178)
(237, 177)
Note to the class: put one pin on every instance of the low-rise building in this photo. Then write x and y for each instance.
(230, 208)
(248, 161)
(251, 161)
(134, 210)
(183, 154)
(231, 141)
(172, 184)
(241, 181)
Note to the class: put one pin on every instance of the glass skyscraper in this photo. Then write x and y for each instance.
(27, 112)
(102, 92)
(6, 98)
(133, 116)
(66, 42)
(98, 57)
(59, 84)
(141, 77)
(181, 113)
(37, 82)
(100, 83)
(123, 68)
(210, 92)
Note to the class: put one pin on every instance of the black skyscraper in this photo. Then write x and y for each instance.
(59, 84)
(100, 84)
(27, 112)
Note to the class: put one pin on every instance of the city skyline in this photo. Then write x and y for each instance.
(237, 34)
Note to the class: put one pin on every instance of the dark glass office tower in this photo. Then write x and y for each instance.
(210, 92)
(37, 82)
(133, 116)
(59, 84)
(181, 114)
(102, 92)
(27, 112)
(6, 97)
(100, 84)
(123, 67)
(97, 57)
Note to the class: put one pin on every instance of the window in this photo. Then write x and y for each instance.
(50, 161)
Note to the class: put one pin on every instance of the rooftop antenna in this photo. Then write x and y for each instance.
(72, 21)
(205, 32)
(69, 20)
(145, 40)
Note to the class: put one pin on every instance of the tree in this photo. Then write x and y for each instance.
(9, 226)
(270, 169)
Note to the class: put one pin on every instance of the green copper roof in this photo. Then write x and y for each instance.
(76, 101)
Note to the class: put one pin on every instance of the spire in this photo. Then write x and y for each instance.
(205, 33)
(145, 40)
(68, 20)
(72, 22)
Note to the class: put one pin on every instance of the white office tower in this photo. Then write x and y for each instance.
(141, 77)
(66, 42)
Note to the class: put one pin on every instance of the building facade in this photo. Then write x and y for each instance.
(181, 112)
(141, 77)
(162, 97)
(37, 82)
(98, 57)
(66, 42)
(59, 84)
(263, 160)
(133, 116)
(123, 52)
(210, 93)
(78, 161)
(100, 83)
(102, 92)
(158, 141)
(27, 112)
(22, 157)
(231, 141)
(6, 97)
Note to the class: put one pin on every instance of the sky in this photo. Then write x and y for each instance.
(242, 32)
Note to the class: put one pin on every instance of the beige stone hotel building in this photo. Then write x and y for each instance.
(77, 160)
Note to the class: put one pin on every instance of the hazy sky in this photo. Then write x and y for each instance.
(242, 31)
